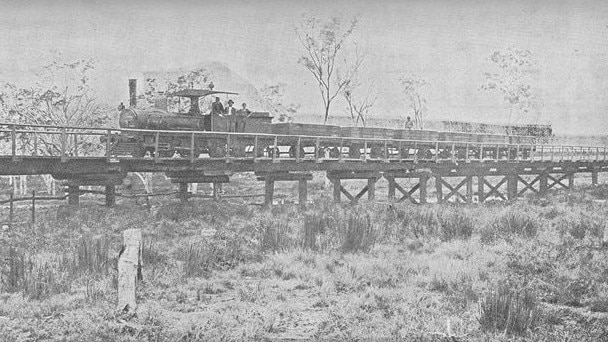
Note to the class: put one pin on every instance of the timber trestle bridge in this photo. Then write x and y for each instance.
(84, 157)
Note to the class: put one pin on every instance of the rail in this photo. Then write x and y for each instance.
(69, 142)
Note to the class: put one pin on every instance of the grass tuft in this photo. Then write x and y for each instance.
(508, 310)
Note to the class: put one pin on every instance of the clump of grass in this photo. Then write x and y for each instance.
(508, 310)
(582, 225)
(224, 250)
(275, 235)
(455, 224)
(38, 276)
(359, 234)
(314, 226)
(92, 255)
(508, 224)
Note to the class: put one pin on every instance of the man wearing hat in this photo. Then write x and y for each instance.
(217, 107)
(230, 112)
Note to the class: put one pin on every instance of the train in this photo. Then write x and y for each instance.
(149, 132)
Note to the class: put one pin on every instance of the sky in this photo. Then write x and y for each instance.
(448, 43)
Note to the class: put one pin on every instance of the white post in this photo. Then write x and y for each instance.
(128, 262)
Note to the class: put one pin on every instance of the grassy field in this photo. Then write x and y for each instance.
(534, 270)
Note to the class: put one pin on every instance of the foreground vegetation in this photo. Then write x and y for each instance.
(533, 270)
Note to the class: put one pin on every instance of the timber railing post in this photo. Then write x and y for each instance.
(436, 151)
(317, 147)
(129, 269)
(192, 148)
(255, 148)
(64, 138)
(13, 143)
(156, 143)
(108, 143)
(365, 150)
(76, 144)
(466, 156)
(35, 145)
(340, 152)
(298, 146)
(386, 150)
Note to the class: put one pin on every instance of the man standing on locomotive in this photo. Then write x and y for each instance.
(241, 115)
(217, 107)
(231, 114)
(409, 124)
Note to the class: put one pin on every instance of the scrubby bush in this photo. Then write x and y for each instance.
(315, 225)
(359, 234)
(508, 310)
(508, 224)
(455, 224)
(581, 225)
(224, 250)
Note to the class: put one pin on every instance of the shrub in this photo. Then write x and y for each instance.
(224, 250)
(510, 223)
(455, 224)
(508, 310)
(581, 225)
(314, 225)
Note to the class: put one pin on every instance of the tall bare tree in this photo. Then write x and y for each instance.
(512, 78)
(323, 41)
(414, 91)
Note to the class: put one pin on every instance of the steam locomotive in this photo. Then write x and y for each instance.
(152, 135)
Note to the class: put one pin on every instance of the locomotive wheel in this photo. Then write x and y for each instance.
(334, 152)
(273, 152)
(424, 154)
(165, 153)
(377, 152)
(238, 151)
(217, 151)
(354, 152)
(445, 154)
(404, 153)
(292, 152)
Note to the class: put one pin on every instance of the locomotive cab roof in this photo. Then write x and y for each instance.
(195, 93)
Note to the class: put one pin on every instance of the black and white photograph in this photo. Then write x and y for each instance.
(275, 170)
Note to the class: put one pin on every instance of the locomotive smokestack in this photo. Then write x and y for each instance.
(133, 92)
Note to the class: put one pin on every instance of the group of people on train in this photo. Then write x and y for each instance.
(236, 117)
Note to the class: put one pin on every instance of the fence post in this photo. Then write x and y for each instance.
(129, 269)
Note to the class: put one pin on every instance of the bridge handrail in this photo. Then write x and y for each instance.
(570, 150)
